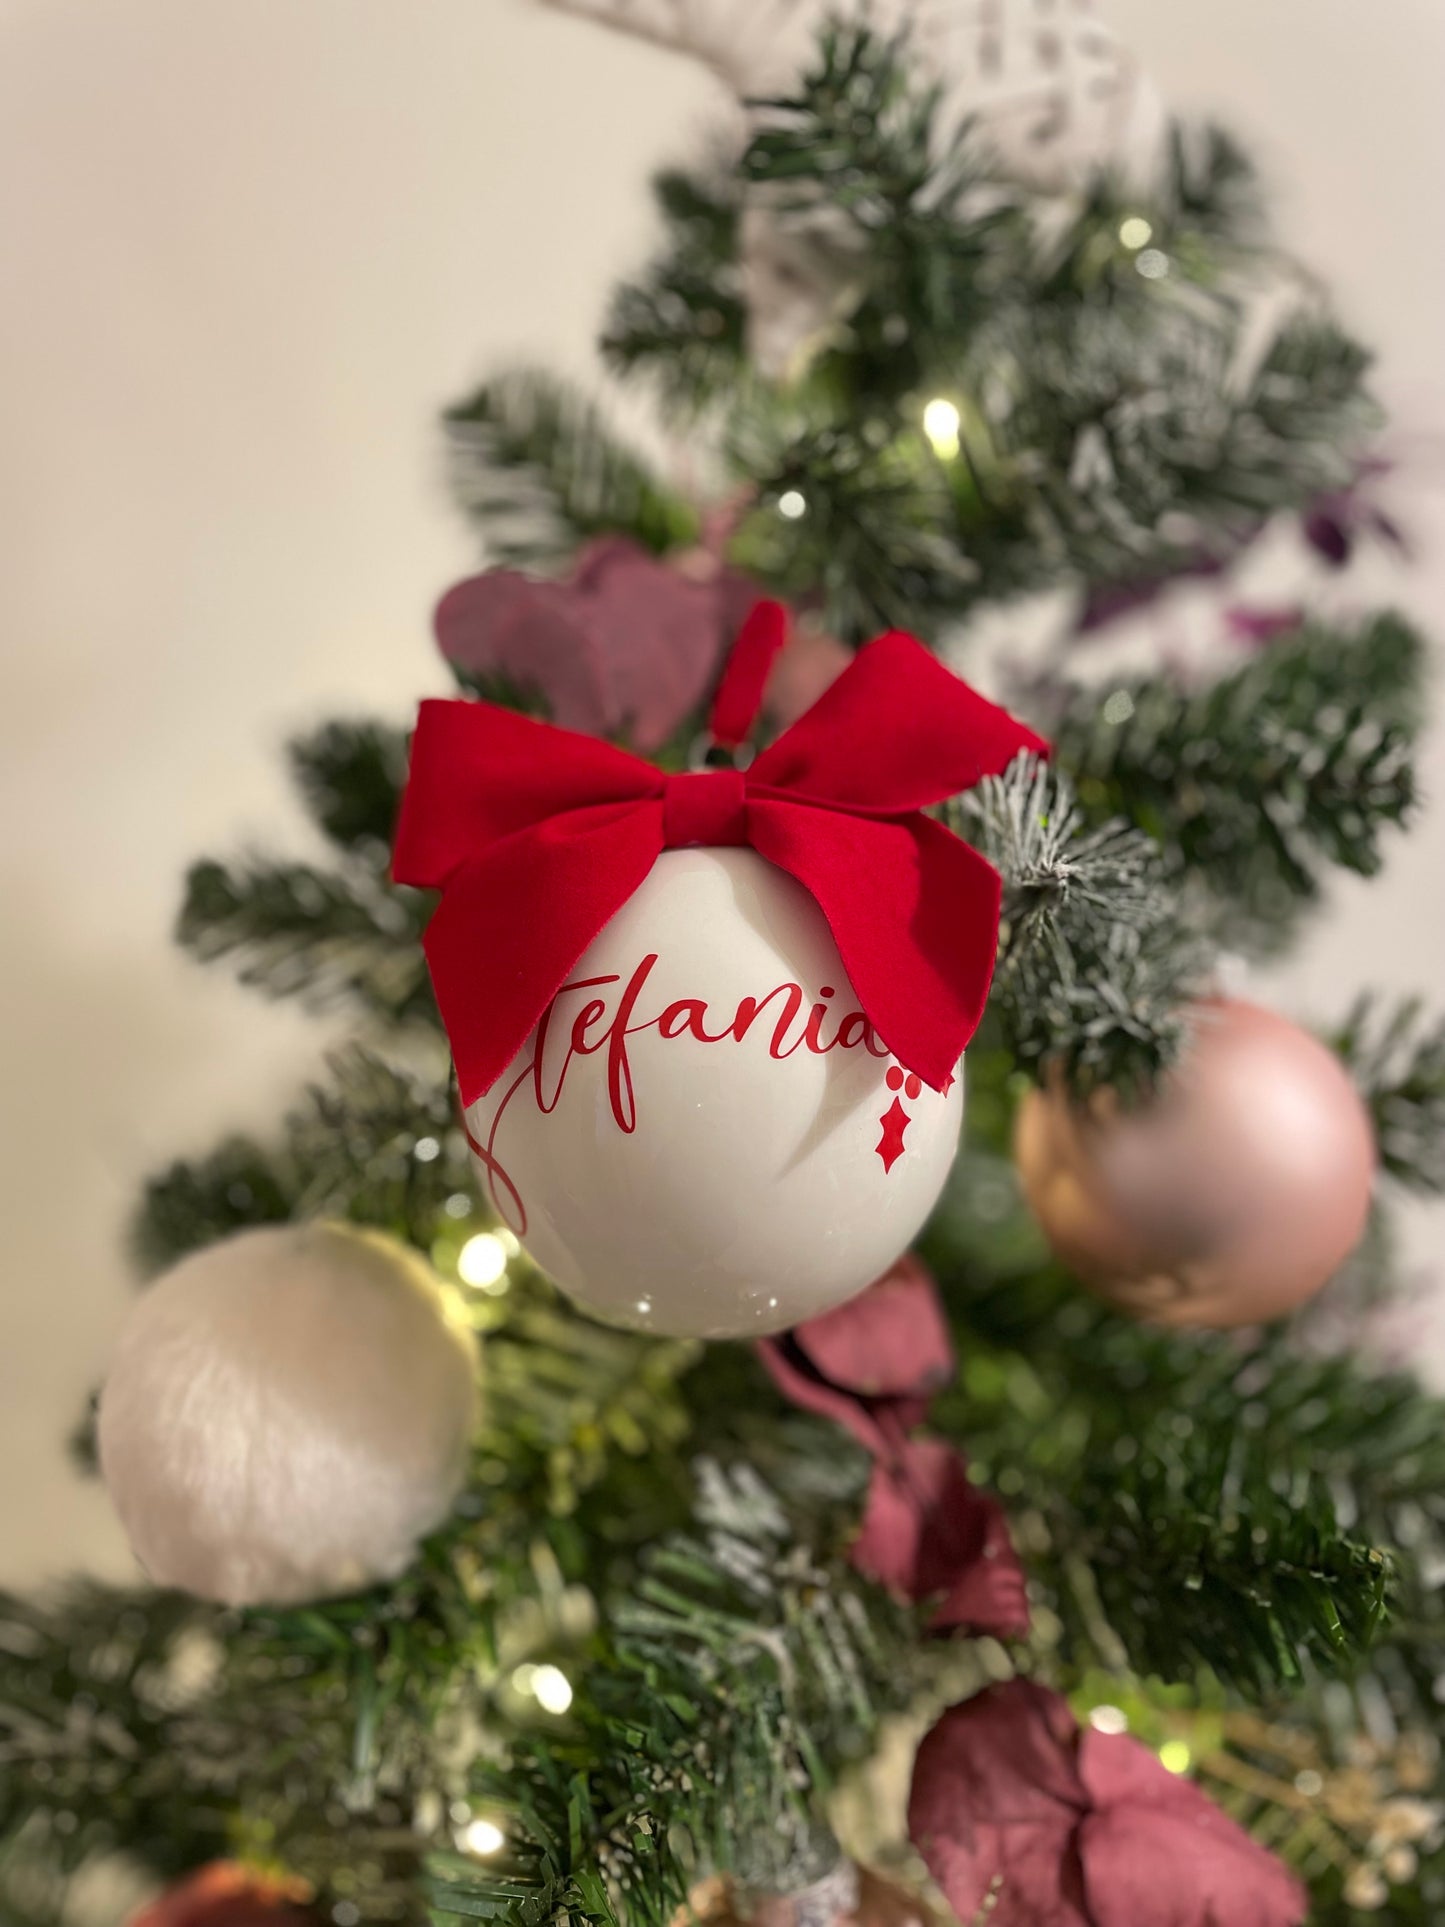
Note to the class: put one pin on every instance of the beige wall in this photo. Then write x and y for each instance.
(248, 247)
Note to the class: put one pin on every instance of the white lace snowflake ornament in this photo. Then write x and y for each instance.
(1052, 91)
(1051, 95)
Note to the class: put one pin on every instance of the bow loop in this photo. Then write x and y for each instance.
(479, 773)
(537, 836)
(896, 732)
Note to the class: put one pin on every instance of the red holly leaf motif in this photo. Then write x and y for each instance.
(890, 1147)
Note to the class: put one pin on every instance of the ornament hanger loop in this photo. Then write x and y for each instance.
(705, 752)
(745, 674)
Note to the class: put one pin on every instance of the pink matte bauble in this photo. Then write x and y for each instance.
(1229, 1197)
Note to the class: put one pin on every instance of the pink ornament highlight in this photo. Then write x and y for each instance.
(1229, 1198)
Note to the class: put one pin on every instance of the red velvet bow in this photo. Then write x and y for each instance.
(537, 836)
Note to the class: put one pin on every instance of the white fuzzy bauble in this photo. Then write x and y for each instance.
(704, 1137)
(287, 1413)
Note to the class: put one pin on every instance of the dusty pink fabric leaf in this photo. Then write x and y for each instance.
(1157, 1852)
(873, 1364)
(660, 635)
(890, 1342)
(989, 1594)
(626, 645)
(1080, 1829)
(505, 624)
(994, 1806)
(929, 1533)
(798, 1381)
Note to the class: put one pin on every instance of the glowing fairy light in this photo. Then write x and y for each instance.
(1174, 1756)
(941, 424)
(1135, 232)
(482, 1261)
(792, 504)
(551, 1689)
(482, 1837)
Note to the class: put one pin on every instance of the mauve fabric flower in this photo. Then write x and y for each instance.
(627, 645)
(1158, 1853)
(1063, 1828)
(1255, 627)
(873, 1364)
(929, 1533)
(1335, 522)
(1329, 532)
(1109, 602)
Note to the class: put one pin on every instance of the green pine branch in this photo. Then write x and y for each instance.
(1114, 425)
(741, 1664)
(351, 777)
(539, 473)
(1095, 964)
(1398, 1060)
(1190, 1502)
(873, 538)
(194, 1201)
(694, 281)
(371, 1142)
(294, 929)
(345, 1740)
(1258, 783)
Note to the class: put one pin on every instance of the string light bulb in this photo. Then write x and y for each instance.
(551, 1689)
(482, 1837)
(482, 1261)
(941, 421)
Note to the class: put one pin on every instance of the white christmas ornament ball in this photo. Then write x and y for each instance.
(704, 1136)
(287, 1413)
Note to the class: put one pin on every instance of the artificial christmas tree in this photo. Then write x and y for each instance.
(1165, 1604)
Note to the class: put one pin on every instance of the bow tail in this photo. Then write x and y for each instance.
(914, 913)
(494, 967)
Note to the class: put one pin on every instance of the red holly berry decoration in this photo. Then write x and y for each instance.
(1022, 1816)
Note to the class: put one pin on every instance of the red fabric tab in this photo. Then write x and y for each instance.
(705, 806)
(740, 693)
